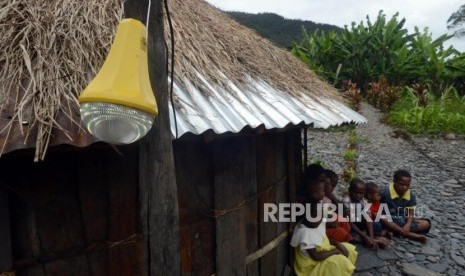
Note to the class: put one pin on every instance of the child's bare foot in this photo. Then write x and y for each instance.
(382, 242)
(387, 234)
(415, 237)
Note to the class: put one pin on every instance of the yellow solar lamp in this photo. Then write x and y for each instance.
(118, 106)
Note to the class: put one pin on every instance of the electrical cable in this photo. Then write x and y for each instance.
(147, 20)
(149, 198)
(172, 65)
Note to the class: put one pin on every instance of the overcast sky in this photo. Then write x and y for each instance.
(421, 13)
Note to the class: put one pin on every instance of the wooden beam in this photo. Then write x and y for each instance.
(157, 183)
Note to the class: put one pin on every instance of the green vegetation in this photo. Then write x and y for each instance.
(350, 154)
(456, 22)
(281, 31)
(348, 175)
(438, 115)
(367, 51)
(319, 162)
(352, 138)
(412, 76)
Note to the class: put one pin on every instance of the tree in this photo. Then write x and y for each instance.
(370, 51)
(457, 21)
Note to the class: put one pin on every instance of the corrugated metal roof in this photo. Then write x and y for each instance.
(230, 109)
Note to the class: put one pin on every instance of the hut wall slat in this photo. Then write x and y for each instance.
(294, 167)
(294, 164)
(61, 207)
(123, 220)
(37, 270)
(75, 266)
(231, 162)
(24, 235)
(93, 196)
(58, 214)
(281, 197)
(266, 154)
(5, 235)
(251, 189)
(194, 178)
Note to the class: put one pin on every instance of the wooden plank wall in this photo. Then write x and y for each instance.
(251, 220)
(266, 177)
(68, 211)
(281, 196)
(235, 177)
(64, 210)
(194, 177)
(5, 235)
(231, 162)
(294, 157)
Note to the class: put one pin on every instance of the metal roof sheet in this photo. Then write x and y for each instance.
(230, 109)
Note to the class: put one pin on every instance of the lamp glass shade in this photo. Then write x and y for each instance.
(118, 106)
(115, 124)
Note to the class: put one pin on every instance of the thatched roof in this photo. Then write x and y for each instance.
(228, 78)
(52, 49)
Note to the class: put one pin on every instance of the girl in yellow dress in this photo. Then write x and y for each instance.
(315, 254)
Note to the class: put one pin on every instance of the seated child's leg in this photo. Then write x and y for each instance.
(338, 234)
(387, 234)
(422, 226)
(352, 252)
(377, 228)
(390, 225)
(359, 225)
(382, 242)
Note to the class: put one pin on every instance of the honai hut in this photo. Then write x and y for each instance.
(70, 204)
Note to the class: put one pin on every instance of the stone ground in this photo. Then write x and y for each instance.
(437, 166)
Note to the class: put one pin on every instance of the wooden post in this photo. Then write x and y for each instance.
(157, 184)
(5, 237)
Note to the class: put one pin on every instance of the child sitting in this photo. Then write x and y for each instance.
(356, 197)
(340, 229)
(373, 195)
(315, 254)
(401, 203)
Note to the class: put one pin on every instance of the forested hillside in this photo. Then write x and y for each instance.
(278, 29)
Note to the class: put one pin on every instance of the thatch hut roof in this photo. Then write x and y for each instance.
(226, 76)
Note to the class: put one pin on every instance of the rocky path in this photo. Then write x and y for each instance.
(438, 179)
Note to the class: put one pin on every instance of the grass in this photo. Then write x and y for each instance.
(350, 154)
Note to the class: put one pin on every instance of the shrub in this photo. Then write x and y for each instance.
(350, 154)
(352, 92)
(431, 114)
(381, 95)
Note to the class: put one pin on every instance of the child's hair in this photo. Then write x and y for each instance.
(331, 175)
(401, 173)
(313, 171)
(354, 183)
(311, 180)
(311, 174)
(370, 187)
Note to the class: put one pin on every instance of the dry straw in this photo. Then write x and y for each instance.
(209, 41)
(50, 51)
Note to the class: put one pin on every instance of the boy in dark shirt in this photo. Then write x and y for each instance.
(401, 203)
